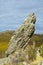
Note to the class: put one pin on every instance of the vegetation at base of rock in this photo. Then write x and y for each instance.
(41, 50)
(5, 36)
(36, 37)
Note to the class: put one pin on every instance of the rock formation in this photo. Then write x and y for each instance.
(21, 36)
(19, 41)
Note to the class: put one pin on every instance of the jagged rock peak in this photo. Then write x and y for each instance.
(22, 35)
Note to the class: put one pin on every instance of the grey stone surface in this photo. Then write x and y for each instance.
(22, 35)
(19, 42)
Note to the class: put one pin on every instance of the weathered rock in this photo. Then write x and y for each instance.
(15, 59)
(22, 36)
(19, 41)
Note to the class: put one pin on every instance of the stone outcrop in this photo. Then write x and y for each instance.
(22, 36)
(19, 42)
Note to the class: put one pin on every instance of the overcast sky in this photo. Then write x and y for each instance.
(13, 13)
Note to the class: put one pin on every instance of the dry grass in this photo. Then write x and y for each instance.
(3, 46)
(37, 61)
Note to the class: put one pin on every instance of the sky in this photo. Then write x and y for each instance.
(13, 13)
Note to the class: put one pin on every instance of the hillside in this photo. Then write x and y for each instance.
(6, 35)
(38, 38)
(4, 40)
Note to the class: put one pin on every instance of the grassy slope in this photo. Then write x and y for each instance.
(38, 38)
(6, 35)
(4, 39)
